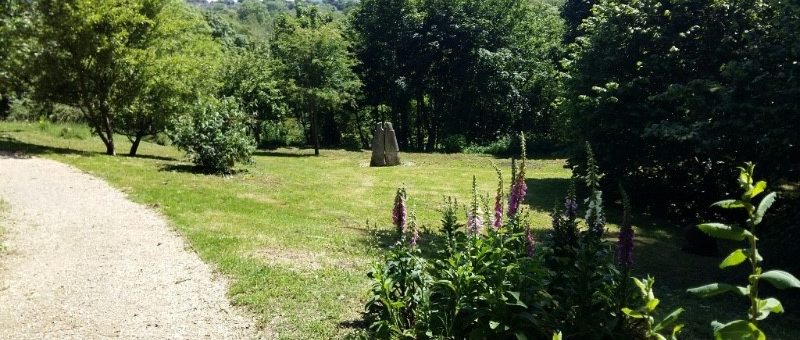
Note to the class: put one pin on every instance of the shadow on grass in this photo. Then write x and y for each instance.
(153, 157)
(196, 170)
(268, 153)
(18, 148)
(658, 254)
(21, 149)
(545, 193)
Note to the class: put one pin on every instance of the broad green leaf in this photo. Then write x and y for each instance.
(639, 284)
(675, 331)
(652, 304)
(632, 313)
(757, 189)
(730, 204)
(734, 259)
(724, 231)
(763, 207)
(714, 289)
(557, 335)
(739, 329)
(668, 320)
(768, 305)
(780, 279)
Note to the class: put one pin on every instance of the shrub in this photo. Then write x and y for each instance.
(453, 144)
(490, 278)
(215, 136)
(286, 132)
(501, 147)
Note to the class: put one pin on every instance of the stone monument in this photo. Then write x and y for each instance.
(385, 150)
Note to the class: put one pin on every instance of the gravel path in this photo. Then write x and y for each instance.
(84, 262)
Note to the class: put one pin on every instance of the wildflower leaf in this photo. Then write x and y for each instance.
(739, 329)
(632, 313)
(714, 289)
(763, 207)
(724, 231)
(734, 259)
(652, 304)
(756, 189)
(769, 305)
(780, 279)
(730, 204)
(668, 320)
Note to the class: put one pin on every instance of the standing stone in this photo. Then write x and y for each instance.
(385, 150)
(378, 158)
(391, 148)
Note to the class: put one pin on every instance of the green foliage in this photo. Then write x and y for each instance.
(214, 136)
(585, 280)
(129, 66)
(759, 308)
(16, 24)
(499, 282)
(454, 144)
(666, 91)
(173, 71)
(643, 317)
(480, 69)
(316, 67)
(286, 132)
(399, 286)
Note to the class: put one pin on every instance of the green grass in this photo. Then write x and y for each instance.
(291, 230)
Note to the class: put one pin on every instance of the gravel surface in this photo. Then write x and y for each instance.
(84, 262)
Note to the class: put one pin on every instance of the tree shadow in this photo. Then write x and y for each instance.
(268, 153)
(544, 193)
(196, 170)
(153, 157)
(21, 149)
(16, 148)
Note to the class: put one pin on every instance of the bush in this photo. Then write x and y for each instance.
(668, 93)
(216, 136)
(500, 148)
(489, 278)
(454, 144)
(275, 134)
(351, 142)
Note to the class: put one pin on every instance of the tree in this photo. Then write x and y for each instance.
(15, 31)
(669, 93)
(250, 76)
(459, 68)
(129, 65)
(174, 68)
(86, 60)
(316, 66)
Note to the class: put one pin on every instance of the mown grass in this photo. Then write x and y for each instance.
(296, 233)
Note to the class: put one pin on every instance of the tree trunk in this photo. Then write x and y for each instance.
(432, 131)
(420, 120)
(359, 125)
(402, 128)
(109, 130)
(109, 142)
(315, 131)
(135, 144)
(5, 106)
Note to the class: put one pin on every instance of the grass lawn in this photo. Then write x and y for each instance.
(297, 233)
